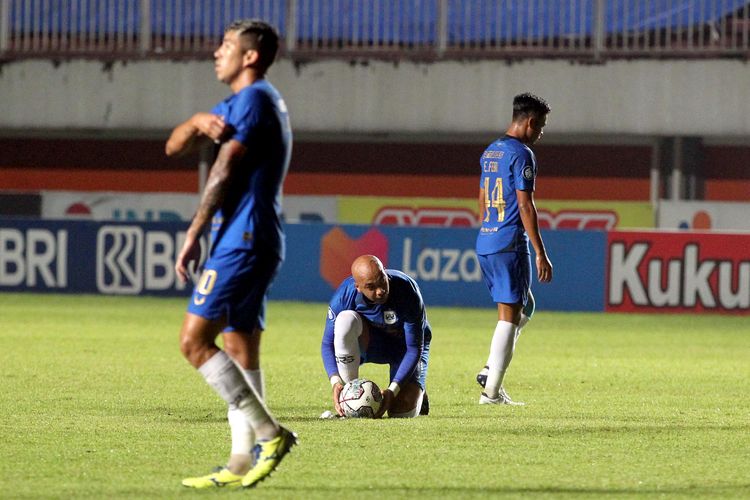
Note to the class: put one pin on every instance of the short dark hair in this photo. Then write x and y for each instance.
(257, 35)
(526, 104)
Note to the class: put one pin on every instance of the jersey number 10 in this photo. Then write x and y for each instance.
(494, 199)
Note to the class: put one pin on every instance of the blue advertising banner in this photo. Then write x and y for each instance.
(90, 257)
(138, 259)
(443, 262)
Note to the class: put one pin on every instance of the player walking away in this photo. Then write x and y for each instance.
(509, 221)
(242, 195)
(377, 316)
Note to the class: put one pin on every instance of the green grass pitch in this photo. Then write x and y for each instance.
(97, 402)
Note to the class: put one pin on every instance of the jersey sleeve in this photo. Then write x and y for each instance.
(414, 338)
(415, 322)
(524, 170)
(327, 351)
(247, 115)
(221, 109)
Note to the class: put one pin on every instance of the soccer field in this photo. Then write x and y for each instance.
(97, 402)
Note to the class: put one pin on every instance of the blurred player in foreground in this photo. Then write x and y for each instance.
(377, 316)
(242, 195)
(509, 221)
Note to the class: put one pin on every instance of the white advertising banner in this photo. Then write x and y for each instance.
(166, 207)
(300, 208)
(113, 206)
(703, 215)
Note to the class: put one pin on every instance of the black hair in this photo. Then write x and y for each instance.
(526, 104)
(257, 35)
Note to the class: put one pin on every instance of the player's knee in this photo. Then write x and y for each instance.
(188, 346)
(347, 323)
(192, 347)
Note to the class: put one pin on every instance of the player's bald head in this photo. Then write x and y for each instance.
(370, 278)
(366, 267)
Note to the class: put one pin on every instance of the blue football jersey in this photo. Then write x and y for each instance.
(401, 319)
(507, 165)
(251, 211)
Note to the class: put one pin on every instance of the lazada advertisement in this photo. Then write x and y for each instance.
(678, 272)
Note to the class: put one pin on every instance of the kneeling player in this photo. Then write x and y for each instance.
(377, 315)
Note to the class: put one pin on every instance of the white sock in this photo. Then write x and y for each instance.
(226, 379)
(346, 332)
(501, 352)
(257, 381)
(243, 437)
(524, 319)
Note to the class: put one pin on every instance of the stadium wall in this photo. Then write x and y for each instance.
(594, 270)
(582, 169)
(638, 97)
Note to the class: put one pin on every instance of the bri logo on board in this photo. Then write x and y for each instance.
(130, 259)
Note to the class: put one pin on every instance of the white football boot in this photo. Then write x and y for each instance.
(501, 399)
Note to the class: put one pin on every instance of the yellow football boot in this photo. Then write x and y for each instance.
(268, 455)
(221, 477)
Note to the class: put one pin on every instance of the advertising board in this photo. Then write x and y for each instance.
(593, 270)
(678, 272)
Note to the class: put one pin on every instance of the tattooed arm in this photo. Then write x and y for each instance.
(217, 185)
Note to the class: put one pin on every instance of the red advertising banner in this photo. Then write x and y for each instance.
(678, 272)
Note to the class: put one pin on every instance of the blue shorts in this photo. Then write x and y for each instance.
(507, 276)
(233, 288)
(383, 350)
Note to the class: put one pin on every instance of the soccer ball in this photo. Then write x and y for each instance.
(360, 398)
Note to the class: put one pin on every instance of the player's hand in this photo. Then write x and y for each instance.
(388, 398)
(190, 252)
(337, 388)
(543, 268)
(212, 126)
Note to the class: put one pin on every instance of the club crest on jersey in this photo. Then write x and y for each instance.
(528, 172)
(389, 317)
